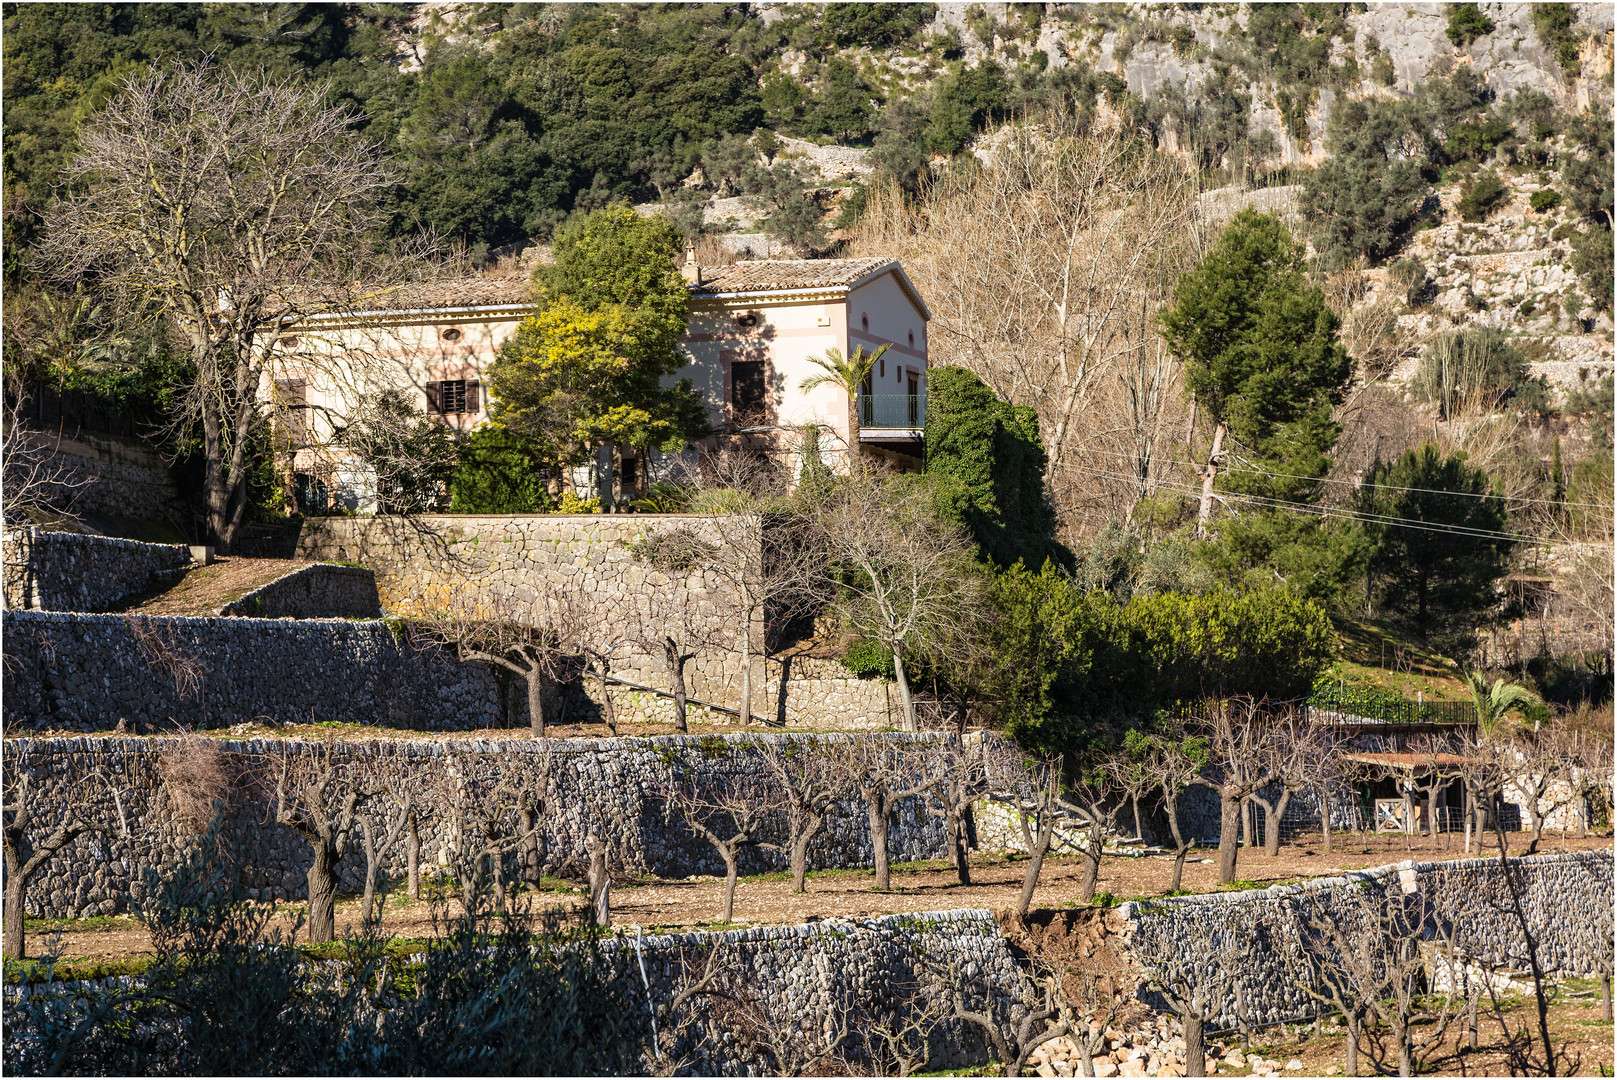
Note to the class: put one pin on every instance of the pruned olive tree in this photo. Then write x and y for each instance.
(98, 804)
(317, 801)
(230, 205)
(810, 783)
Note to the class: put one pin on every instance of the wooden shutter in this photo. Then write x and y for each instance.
(472, 396)
(434, 401)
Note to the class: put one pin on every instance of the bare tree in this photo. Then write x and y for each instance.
(1044, 1018)
(1194, 965)
(884, 775)
(1237, 768)
(958, 768)
(599, 879)
(37, 483)
(1292, 749)
(1096, 1001)
(1099, 791)
(669, 629)
(728, 813)
(1547, 777)
(320, 805)
(1075, 236)
(672, 1024)
(536, 643)
(757, 552)
(1372, 947)
(811, 782)
(479, 797)
(197, 781)
(1033, 786)
(905, 578)
(215, 199)
(1173, 760)
(389, 793)
(763, 1027)
(99, 789)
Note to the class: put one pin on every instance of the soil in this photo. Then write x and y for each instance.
(695, 903)
(205, 589)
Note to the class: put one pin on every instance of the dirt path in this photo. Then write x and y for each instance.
(767, 899)
(204, 590)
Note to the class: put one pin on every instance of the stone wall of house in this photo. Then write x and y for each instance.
(91, 672)
(1255, 939)
(318, 591)
(62, 571)
(612, 787)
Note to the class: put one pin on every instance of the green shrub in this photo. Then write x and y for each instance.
(1480, 195)
(1477, 139)
(874, 25)
(1467, 23)
(1547, 199)
(1409, 276)
(870, 659)
(499, 472)
(1554, 25)
(1477, 366)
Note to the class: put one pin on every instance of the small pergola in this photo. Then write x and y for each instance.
(1403, 814)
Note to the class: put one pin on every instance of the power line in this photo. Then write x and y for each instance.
(1354, 515)
(1354, 484)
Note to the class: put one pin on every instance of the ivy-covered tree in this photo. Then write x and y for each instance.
(989, 464)
(586, 369)
(1437, 551)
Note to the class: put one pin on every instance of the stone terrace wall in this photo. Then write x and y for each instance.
(112, 475)
(511, 560)
(321, 591)
(891, 966)
(609, 786)
(1567, 899)
(62, 571)
(90, 671)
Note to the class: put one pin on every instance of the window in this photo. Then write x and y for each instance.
(912, 339)
(292, 396)
(747, 320)
(452, 396)
(452, 334)
(747, 391)
(864, 320)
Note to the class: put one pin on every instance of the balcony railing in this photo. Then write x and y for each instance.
(892, 410)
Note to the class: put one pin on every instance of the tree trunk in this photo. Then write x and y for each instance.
(744, 714)
(322, 879)
(1228, 826)
(1179, 866)
(955, 826)
(905, 701)
(368, 907)
(1605, 994)
(1325, 814)
(1139, 833)
(676, 679)
(1353, 1022)
(1195, 1048)
(853, 427)
(1406, 1061)
(412, 854)
(731, 872)
(799, 859)
(1204, 512)
(1272, 818)
(536, 699)
(876, 811)
(1035, 864)
(606, 701)
(1473, 1000)
(1092, 856)
(16, 892)
(600, 882)
(528, 825)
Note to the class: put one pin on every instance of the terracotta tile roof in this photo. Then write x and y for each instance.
(452, 293)
(767, 275)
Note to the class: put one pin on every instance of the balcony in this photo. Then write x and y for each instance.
(894, 415)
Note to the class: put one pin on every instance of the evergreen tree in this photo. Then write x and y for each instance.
(1262, 359)
(498, 472)
(1437, 577)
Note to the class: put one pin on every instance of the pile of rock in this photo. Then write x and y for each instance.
(1151, 1051)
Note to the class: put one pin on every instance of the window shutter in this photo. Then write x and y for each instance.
(472, 397)
(434, 402)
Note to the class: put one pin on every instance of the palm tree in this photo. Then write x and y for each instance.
(1493, 702)
(850, 373)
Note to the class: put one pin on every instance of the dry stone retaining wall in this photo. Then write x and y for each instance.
(609, 786)
(62, 571)
(110, 475)
(1567, 900)
(91, 671)
(320, 591)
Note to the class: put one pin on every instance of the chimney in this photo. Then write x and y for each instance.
(692, 269)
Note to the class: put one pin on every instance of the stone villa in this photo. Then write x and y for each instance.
(753, 327)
